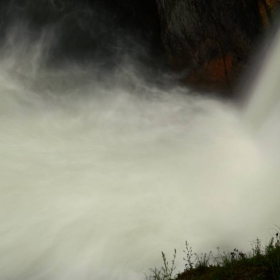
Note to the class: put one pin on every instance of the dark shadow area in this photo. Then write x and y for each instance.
(100, 31)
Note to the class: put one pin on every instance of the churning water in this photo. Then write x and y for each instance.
(101, 174)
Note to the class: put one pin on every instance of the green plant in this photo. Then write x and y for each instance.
(189, 265)
(165, 272)
(257, 248)
(203, 260)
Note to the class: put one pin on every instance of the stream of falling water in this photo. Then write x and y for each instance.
(98, 176)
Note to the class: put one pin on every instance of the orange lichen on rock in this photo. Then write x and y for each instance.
(219, 68)
(216, 73)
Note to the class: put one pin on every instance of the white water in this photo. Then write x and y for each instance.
(97, 178)
(264, 92)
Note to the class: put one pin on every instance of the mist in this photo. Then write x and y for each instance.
(104, 165)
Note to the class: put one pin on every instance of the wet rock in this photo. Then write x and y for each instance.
(212, 39)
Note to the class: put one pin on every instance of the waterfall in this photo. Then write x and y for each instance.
(102, 169)
(264, 92)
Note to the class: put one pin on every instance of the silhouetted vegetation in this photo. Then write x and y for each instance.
(263, 262)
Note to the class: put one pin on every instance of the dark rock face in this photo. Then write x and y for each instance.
(95, 29)
(212, 38)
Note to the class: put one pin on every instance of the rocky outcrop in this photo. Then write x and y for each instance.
(212, 39)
